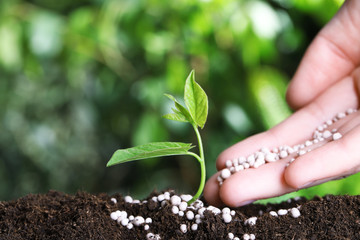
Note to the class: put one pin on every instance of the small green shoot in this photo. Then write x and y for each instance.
(195, 113)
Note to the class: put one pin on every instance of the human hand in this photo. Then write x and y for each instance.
(327, 82)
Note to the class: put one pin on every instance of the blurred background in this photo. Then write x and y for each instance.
(80, 79)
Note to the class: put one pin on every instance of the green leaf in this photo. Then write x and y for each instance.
(181, 110)
(150, 150)
(171, 97)
(176, 117)
(196, 100)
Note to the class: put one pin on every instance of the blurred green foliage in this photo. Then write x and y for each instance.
(80, 79)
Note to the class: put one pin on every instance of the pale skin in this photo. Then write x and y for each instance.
(326, 82)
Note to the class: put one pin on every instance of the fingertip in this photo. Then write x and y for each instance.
(219, 162)
(211, 192)
(308, 170)
(356, 77)
(252, 184)
(240, 189)
(295, 95)
(294, 176)
(291, 98)
(231, 196)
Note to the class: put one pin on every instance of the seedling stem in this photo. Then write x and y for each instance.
(201, 160)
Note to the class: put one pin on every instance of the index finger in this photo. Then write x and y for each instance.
(300, 126)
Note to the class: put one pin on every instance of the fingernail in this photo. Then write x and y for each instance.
(317, 182)
(246, 203)
(306, 185)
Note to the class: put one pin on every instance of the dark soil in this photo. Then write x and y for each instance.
(57, 215)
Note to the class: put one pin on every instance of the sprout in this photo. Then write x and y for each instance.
(195, 113)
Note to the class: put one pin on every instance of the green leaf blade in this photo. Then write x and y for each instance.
(175, 117)
(150, 150)
(181, 110)
(171, 97)
(196, 100)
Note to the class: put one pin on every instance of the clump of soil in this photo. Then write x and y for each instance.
(57, 215)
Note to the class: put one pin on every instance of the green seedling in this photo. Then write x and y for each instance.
(195, 113)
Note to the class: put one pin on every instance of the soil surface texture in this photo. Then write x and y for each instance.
(56, 215)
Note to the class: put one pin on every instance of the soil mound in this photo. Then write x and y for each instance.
(56, 215)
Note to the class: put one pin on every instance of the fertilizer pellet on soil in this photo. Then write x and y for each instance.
(56, 215)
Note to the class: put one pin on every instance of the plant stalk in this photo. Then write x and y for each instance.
(201, 160)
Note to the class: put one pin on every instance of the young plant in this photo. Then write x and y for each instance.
(195, 113)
